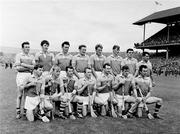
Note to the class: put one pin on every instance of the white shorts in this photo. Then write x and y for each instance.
(45, 73)
(67, 96)
(83, 99)
(45, 103)
(21, 78)
(62, 74)
(31, 102)
(102, 98)
(98, 73)
(81, 75)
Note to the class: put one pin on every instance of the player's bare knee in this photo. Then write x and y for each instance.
(160, 101)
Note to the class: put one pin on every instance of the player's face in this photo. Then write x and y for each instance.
(88, 73)
(45, 47)
(26, 48)
(125, 72)
(130, 54)
(146, 57)
(57, 72)
(107, 69)
(82, 51)
(39, 71)
(116, 51)
(70, 72)
(99, 51)
(144, 72)
(65, 48)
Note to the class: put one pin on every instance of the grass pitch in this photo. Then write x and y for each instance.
(167, 88)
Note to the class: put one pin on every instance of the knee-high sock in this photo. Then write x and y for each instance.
(79, 107)
(157, 107)
(62, 107)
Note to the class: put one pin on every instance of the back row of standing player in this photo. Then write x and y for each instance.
(25, 62)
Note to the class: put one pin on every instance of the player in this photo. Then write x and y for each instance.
(144, 90)
(24, 64)
(103, 88)
(71, 93)
(80, 62)
(130, 61)
(64, 59)
(54, 88)
(86, 88)
(115, 60)
(123, 85)
(34, 85)
(97, 61)
(145, 61)
(45, 58)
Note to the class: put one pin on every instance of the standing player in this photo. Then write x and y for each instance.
(80, 62)
(97, 61)
(86, 88)
(115, 60)
(44, 57)
(145, 61)
(103, 88)
(130, 61)
(64, 59)
(24, 64)
(144, 89)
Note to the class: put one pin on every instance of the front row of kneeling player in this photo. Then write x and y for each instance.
(121, 96)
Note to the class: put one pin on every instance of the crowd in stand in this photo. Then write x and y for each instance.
(161, 37)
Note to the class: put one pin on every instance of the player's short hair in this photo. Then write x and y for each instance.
(24, 43)
(106, 64)
(141, 67)
(116, 47)
(65, 43)
(86, 69)
(80, 46)
(55, 67)
(125, 67)
(44, 42)
(38, 66)
(97, 46)
(130, 49)
(144, 53)
(69, 67)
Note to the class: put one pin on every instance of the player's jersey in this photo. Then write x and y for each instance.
(103, 80)
(144, 84)
(116, 63)
(33, 90)
(24, 58)
(80, 62)
(45, 59)
(63, 60)
(54, 85)
(126, 81)
(81, 82)
(70, 82)
(148, 64)
(97, 62)
(131, 63)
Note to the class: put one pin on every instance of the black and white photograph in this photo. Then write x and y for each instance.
(89, 67)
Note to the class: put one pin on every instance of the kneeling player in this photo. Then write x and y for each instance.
(86, 88)
(70, 92)
(33, 86)
(144, 89)
(122, 87)
(103, 88)
(54, 88)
